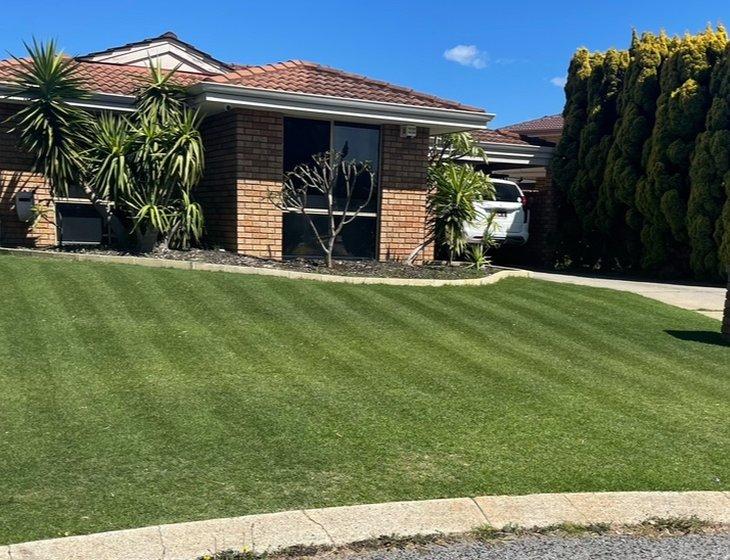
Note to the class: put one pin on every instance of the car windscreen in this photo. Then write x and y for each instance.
(506, 192)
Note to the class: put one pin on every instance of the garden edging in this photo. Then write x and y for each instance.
(337, 526)
(292, 274)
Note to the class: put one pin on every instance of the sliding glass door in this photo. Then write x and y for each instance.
(302, 139)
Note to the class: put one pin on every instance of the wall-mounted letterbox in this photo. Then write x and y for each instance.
(24, 202)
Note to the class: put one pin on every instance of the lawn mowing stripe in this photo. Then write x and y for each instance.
(591, 335)
(600, 323)
(606, 319)
(607, 397)
(655, 411)
(52, 410)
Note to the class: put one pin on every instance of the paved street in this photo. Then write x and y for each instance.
(692, 547)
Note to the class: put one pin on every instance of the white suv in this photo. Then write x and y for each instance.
(511, 217)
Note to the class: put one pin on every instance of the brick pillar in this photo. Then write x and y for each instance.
(244, 162)
(543, 219)
(726, 315)
(15, 176)
(260, 159)
(403, 187)
(217, 189)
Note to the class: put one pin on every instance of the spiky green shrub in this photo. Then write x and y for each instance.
(147, 164)
(710, 177)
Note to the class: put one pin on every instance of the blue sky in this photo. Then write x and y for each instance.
(508, 57)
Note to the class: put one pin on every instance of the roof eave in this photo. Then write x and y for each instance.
(97, 100)
(517, 154)
(439, 120)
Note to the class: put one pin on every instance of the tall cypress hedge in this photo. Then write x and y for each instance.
(710, 179)
(565, 160)
(605, 86)
(642, 166)
(620, 221)
(680, 116)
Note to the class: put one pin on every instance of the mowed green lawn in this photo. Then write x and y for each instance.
(132, 396)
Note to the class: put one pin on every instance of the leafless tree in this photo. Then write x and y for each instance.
(336, 180)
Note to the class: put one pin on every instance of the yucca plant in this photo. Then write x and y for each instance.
(454, 185)
(147, 164)
(150, 165)
(50, 128)
(53, 130)
(457, 188)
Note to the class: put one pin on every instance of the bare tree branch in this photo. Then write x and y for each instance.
(336, 180)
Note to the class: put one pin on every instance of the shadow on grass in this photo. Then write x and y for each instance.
(707, 337)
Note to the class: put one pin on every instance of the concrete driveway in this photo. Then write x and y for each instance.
(706, 300)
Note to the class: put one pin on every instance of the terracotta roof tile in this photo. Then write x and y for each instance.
(294, 76)
(107, 78)
(503, 136)
(307, 77)
(548, 122)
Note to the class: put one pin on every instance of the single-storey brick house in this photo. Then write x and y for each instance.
(260, 121)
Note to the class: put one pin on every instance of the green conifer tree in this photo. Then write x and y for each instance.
(604, 89)
(710, 178)
(564, 164)
(681, 111)
(619, 219)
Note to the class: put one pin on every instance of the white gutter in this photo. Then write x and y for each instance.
(226, 95)
(97, 100)
(337, 107)
(516, 154)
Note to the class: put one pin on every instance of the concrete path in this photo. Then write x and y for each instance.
(344, 525)
(706, 300)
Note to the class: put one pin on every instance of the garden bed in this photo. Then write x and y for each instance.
(357, 268)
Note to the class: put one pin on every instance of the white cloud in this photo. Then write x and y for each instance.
(467, 55)
(559, 81)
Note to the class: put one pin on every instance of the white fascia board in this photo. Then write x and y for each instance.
(439, 120)
(98, 100)
(516, 154)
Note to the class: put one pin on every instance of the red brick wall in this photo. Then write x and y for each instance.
(244, 162)
(217, 190)
(403, 194)
(260, 171)
(16, 175)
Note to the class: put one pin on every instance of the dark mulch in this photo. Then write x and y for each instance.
(371, 268)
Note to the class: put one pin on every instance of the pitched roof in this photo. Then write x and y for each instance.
(308, 77)
(503, 136)
(167, 37)
(293, 76)
(548, 122)
(107, 78)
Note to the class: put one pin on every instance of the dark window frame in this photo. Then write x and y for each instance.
(376, 202)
